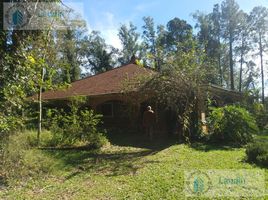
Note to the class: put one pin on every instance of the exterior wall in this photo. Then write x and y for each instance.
(124, 115)
(130, 116)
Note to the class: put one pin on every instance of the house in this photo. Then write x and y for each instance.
(105, 95)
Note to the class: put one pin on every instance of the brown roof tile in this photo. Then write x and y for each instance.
(109, 82)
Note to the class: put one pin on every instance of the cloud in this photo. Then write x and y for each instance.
(145, 6)
(111, 37)
(108, 27)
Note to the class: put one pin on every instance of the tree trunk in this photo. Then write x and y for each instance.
(40, 114)
(219, 61)
(241, 66)
(40, 108)
(262, 72)
(220, 71)
(231, 61)
(240, 74)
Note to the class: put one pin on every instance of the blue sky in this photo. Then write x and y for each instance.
(107, 15)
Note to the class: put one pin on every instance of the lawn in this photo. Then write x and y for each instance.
(130, 168)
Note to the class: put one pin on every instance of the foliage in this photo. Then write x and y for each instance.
(98, 55)
(69, 45)
(258, 110)
(176, 86)
(232, 124)
(261, 115)
(259, 21)
(20, 162)
(178, 31)
(257, 152)
(47, 139)
(230, 19)
(77, 126)
(9, 124)
(129, 40)
(149, 41)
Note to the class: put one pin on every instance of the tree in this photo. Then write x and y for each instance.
(215, 17)
(129, 40)
(259, 22)
(176, 86)
(244, 44)
(230, 20)
(68, 45)
(178, 31)
(40, 60)
(208, 42)
(35, 61)
(149, 40)
(251, 76)
(161, 46)
(97, 53)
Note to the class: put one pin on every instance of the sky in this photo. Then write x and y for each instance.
(106, 16)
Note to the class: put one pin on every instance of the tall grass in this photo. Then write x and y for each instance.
(20, 160)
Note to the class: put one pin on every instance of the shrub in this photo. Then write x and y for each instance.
(77, 126)
(257, 152)
(260, 114)
(89, 123)
(9, 124)
(232, 124)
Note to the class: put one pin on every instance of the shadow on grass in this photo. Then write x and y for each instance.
(139, 140)
(213, 146)
(108, 164)
(119, 159)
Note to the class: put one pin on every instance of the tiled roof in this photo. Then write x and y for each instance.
(109, 82)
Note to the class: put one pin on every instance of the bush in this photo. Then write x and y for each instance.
(9, 124)
(257, 152)
(260, 114)
(77, 126)
(232, 124)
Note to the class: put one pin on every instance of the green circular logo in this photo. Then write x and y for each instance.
(198, 183)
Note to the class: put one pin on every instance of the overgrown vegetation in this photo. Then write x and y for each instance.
(77, 126)
(176, 86)
(232, 124)
(20, 162)
(260, 113)
(35, 61)
(133, 170)
(257, 152)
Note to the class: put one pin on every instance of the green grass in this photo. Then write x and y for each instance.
(130, 168)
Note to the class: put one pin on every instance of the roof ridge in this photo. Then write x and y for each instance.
(109, 71)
